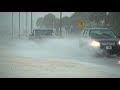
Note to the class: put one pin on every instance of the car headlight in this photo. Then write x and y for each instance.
(95, 44)
(119, 42)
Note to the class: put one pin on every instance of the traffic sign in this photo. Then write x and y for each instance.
(82, 24)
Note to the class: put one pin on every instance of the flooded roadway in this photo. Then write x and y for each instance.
(54, 58)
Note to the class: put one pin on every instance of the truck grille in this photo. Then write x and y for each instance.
(108, 43)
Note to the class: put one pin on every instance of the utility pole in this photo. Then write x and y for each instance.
(60, 24)
(26, 22)
(19, 25)
(12, 25)
(106, 19)
(31, 22)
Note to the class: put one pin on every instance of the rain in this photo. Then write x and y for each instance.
(65, 55)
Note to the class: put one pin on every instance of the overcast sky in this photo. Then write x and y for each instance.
(6, 20)
(42, 14)
(57, 14)
(5, 17)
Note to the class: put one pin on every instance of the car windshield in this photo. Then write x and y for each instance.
(98, 34)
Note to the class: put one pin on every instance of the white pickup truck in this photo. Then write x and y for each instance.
(42, 33)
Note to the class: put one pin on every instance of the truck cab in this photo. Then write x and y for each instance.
(42, 33)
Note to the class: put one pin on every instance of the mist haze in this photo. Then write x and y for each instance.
(66, 55)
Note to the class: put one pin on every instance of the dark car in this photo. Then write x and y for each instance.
(103, 39)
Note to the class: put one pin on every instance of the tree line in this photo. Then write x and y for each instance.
(80, 20)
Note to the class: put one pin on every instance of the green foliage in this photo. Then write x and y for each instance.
(113, 20)
(49, 20)
(92, 19)
(39, 22)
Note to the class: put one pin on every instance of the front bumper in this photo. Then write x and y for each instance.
(113, 50)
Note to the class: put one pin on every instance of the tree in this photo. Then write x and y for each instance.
(80, 17)
(113, 20)
(88, 19)
(98, 17)
(57, 23)
(66, 23)
(49, 20)
(39, 22)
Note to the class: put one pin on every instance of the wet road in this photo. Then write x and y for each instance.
(60, 50)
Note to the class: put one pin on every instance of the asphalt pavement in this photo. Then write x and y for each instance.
(54, 58)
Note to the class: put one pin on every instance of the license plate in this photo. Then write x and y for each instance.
(108, 47)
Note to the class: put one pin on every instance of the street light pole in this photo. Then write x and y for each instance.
(26, 22)
(106, 19)
(60, 23)
(31, 22)
(19, 25)
(12, 25)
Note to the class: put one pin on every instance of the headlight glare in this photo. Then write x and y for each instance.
(95, 44)
(119, 42)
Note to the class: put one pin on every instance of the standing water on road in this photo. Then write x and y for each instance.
(55, 48)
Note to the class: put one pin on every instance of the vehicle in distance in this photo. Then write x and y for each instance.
(103, 39)
(42, 34)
